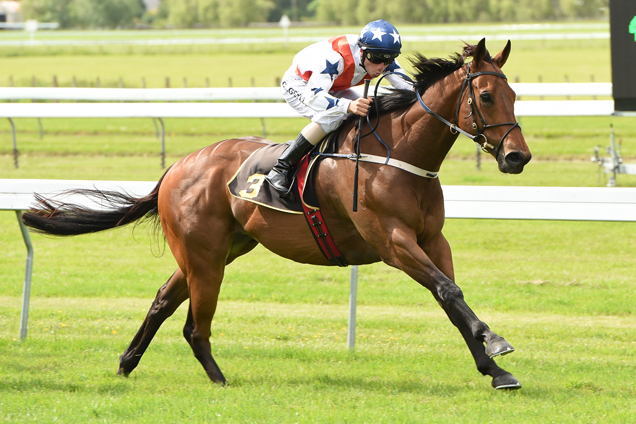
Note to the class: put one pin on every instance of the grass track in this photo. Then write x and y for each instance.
(288, 363)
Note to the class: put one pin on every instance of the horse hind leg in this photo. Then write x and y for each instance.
(169, 297)
(204, 292)
(241, 244)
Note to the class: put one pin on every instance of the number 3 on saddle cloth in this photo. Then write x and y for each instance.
(249, 184)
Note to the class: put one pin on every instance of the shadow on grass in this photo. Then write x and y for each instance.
(49, 384)
(373, 384)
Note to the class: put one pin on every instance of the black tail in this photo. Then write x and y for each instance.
(58, 218)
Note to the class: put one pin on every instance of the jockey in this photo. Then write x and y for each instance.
(318, 86)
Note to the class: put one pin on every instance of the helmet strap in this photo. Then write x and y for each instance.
(363, 56)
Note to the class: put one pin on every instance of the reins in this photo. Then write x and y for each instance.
(356, 149)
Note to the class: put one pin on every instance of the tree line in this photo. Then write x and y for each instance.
(237, 13)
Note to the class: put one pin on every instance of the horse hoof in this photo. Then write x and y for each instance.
(499, 347)
(506, 382)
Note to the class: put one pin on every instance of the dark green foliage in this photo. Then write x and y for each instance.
(239, 13)
(85, 13)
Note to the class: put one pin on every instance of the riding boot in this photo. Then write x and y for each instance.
(280, 177)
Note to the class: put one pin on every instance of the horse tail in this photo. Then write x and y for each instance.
(55, 217)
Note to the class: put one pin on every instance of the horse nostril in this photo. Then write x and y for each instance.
(515, 159)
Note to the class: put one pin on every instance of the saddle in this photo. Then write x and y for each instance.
(249, 184)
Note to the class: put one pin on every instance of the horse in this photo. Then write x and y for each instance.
(400, 216)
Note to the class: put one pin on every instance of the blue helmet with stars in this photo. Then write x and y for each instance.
(381, 38)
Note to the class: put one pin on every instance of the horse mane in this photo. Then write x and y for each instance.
(427, 72)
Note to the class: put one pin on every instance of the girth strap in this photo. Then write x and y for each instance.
(405, 166)
(316, 221)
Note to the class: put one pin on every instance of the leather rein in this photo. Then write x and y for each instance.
(479, 133)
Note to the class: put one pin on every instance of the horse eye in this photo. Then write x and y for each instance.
(486, 97)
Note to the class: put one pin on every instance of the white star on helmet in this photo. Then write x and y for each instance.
(377, 33)
(396, 37)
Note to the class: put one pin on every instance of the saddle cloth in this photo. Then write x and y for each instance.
(249, 181)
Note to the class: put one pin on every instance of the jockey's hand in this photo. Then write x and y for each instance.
(360, 106)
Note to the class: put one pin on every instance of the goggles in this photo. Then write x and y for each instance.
(377, 58)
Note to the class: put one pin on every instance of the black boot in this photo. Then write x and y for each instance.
(280, 177)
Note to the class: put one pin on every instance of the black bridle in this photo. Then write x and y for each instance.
(479, 133)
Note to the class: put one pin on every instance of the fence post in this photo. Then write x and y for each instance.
(26, 293)
(353, 299)
(55, 85)
(262, 119)
(11, 85)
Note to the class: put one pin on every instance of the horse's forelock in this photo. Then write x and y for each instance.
(469, 50)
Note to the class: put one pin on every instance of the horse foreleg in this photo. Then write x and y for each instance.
(169, 297)
(406, 254)
(438, 250)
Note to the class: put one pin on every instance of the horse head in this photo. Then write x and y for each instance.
(486, 109)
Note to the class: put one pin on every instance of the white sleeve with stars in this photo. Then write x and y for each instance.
(325, 67)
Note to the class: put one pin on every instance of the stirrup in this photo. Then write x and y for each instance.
(283, 190)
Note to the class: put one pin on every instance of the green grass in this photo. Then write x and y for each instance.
(288, 363)
(259, 64)
(263, 68)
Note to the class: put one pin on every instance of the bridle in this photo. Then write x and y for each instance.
(479, 133)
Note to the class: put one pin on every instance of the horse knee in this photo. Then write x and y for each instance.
(159, 312)
(450, 293)
(188, 328)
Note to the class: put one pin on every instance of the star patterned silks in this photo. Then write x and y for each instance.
(332, 102)
(331, 69)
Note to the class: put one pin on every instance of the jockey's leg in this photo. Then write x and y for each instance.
(280, 177)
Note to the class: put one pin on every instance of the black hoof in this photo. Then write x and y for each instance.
(499, 347)
(506, 382)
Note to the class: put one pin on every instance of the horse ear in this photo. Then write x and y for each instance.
(502, 56)
(480, 52)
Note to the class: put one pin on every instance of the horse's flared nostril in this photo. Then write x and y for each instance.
(515, 159)
(514, 162)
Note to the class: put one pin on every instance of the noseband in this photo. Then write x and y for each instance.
(474, 110)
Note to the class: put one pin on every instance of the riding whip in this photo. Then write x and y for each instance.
(357, 151)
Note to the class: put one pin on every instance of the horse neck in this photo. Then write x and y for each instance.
(427, 140)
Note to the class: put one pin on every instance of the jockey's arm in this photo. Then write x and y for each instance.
(318, 98)
(398, 77)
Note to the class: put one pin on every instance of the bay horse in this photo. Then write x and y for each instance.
(399, 221)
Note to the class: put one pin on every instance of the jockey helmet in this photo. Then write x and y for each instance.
(381, 39)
